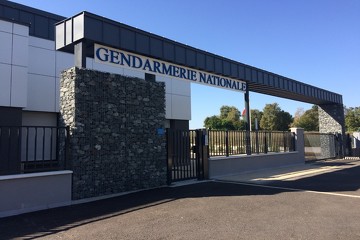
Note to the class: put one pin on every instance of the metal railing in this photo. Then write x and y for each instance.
(25, 149)
(227, 143)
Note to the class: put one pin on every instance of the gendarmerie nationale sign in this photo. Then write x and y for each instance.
(112, 56)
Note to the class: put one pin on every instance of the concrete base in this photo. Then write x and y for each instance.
(223, 166)
(23, 193)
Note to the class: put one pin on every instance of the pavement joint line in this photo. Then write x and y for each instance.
(290, 189)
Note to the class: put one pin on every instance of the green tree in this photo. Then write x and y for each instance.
(229, 119)
(275, 119)
(352, 119)
(229, 113)
(308, 120)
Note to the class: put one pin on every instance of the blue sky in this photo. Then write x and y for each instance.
(312, 41)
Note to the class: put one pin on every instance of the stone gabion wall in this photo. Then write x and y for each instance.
(332, 120)
(115, 144)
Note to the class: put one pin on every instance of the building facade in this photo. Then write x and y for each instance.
(30, 71)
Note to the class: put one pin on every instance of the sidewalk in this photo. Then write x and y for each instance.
(291, 172)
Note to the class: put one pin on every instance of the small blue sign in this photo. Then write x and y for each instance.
(160, 131)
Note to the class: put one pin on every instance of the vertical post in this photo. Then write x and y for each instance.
(248, 123)
(227, 143)
(265, 143)
(293, 141)
(80, 54)
(169, 147)
(199, 155)
(299, 143)
(257, 136)
(205, 155)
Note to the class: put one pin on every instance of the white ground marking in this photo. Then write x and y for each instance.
(292, 189)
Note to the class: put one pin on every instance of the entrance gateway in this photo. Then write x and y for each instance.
(154, 58)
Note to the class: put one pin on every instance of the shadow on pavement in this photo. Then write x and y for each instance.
(48, 222)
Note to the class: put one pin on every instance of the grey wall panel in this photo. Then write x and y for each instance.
(28, 18)
(40, 23)
(210, 63)
(180, 55)
(169, 51)
(241, 72)
(281, 82)
(226, 68)
(271, 80)
(254, 77)
(94, 33)
(190, 58)
(218, 65)
(111, 34)
(276, 81)
(142, 44)
(11, 13)
(127, 39)
(286, 85)
(260, 78)
(51, 34)
(266, 78)
(156, 47)
(248, 74)
(41, 26)
(234, 70)
(200, 60)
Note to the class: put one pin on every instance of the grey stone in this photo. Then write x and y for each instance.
(112, 120)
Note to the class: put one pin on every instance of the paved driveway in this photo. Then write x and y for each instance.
(267, 209)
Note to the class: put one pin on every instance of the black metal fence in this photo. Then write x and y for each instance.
(227, 143)
(25, 149)
(352, 146)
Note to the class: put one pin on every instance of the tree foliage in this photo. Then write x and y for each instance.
(271, 118)
(308, 120)
(229, 119)
(352, 119)
(275, 119)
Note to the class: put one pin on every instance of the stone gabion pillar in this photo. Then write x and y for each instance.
(332, 120)
(115, 142)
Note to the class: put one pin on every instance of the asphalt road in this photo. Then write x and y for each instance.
(325, 206)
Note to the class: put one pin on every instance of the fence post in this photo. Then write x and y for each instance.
(227, 143)
(169, 159)
(265, 143)
(284, 139)
(299, 143)
(205, 155)
(293, 141)
(257, 141)
(199, 155)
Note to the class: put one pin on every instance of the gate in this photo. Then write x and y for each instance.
(187, 154)
(320, 146)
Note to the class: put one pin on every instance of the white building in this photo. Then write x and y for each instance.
(30, 70)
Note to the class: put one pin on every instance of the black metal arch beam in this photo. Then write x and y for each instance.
(88, 29)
